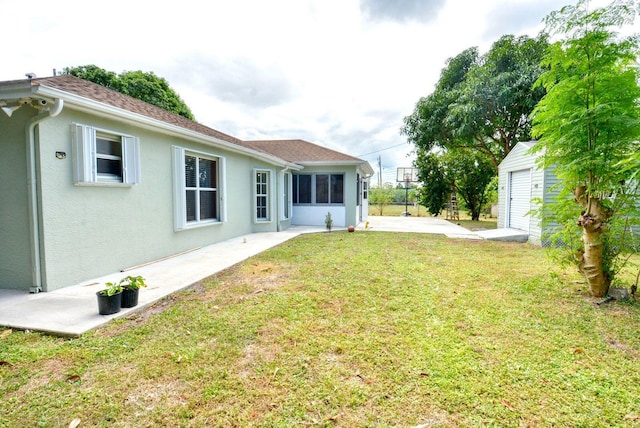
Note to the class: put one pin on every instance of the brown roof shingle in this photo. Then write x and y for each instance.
(113, 98)
(295, 151)
(299, 151)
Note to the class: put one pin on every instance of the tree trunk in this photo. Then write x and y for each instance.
(593, 221)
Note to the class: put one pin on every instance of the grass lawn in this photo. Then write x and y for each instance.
(346, 330)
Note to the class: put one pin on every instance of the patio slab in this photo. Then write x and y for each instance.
(508, 235)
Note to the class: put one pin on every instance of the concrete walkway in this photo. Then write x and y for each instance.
(73, 310)
(418, 225)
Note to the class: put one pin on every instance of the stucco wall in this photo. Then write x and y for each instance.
(15, 255)
(90, 231)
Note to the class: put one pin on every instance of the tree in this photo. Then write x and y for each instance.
(588, 124)
(380, 198)
(462, 171)
(138, 84)
(470, 172)
(94, 74)
(436, 189)
(481, 103)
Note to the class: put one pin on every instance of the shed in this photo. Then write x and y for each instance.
(520, 184)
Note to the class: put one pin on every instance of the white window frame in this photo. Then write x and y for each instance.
(85, 155)
(314, 196)
(267, 195)
(180, 189)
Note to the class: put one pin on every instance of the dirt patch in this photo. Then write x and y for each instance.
(51, 370)
(148, 396)
(264, 350)
(623, 347)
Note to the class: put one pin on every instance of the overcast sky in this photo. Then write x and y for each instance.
(340, 73)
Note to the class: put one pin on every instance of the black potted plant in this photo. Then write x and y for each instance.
(131, 286)
(110, 299)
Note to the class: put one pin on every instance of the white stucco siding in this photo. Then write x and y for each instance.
(89, 231)
(307, 215)
(15, 253)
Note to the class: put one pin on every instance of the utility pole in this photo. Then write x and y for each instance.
(380, 171)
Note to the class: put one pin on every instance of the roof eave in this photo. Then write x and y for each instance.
(364, 165)
(90, 106)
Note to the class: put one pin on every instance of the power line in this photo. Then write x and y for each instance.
(381, 150)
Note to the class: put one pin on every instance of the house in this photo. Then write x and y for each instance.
(330, 182)
(94, 181)
(520, 184)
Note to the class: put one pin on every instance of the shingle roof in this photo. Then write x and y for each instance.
(298, 151)
(113, 98)
(295, 151)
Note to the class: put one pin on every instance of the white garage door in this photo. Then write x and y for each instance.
(519, 199)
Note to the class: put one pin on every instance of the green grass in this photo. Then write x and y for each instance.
(397, 210)
(347, 330)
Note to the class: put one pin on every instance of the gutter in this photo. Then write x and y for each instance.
(366, 167)
(87, 105)
(32, 190)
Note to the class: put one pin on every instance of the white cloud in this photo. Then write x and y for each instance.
(343, 73)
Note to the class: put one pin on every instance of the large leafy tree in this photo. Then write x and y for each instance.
(145, 86)
(481, 103)
(588, 125)
(436, 188)
(470, 172)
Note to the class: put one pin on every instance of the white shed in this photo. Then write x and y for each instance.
(520, 183)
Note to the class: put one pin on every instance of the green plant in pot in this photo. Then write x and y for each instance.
(110, 298)
(131, 286)
(328, 221)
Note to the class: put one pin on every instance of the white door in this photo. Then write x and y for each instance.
(519, 199)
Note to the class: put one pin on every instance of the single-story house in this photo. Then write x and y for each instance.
(93, 182)
(520, 184)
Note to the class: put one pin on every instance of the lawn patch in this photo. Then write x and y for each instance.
(346, 329)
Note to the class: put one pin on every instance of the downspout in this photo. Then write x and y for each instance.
(32, 190)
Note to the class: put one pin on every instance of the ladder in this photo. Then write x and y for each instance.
(452, 208)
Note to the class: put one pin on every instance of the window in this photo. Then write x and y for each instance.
(198, 194)
(201, 176)
(337, 189)
(365, 190)
(322, 189)
(318, 189)
(302, 189)
(261, 185)
(104, 157)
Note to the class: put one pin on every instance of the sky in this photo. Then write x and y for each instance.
(339, 73)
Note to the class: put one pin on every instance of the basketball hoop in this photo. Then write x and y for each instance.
(407, 176)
